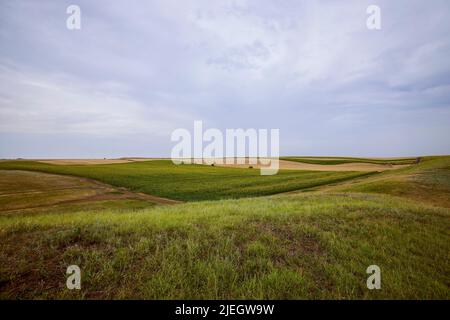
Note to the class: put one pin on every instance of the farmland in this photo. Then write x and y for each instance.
(296, 235)
(342, 160)
(190, 182)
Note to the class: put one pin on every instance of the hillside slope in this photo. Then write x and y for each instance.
(312, 245)
(427, 182)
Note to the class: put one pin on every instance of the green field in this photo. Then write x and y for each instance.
(267, 245)
(191, 182)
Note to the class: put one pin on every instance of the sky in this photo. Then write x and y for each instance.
(138, 70)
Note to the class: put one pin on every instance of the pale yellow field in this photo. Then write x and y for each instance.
(291, 165)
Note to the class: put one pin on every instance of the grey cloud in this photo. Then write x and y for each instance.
(144, 68)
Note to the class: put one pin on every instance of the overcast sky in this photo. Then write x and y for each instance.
(137, 70)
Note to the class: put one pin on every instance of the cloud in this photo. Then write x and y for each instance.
(310, 68)
(61, 104)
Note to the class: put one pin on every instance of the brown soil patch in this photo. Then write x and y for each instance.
(20, 190)
(293, 165)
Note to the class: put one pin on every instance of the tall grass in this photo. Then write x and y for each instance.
(294, 247)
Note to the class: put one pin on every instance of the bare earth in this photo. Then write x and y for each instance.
(28, 190)
(292, 165)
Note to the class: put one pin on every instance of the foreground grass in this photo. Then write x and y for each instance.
(297, 246)
(190, 182)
